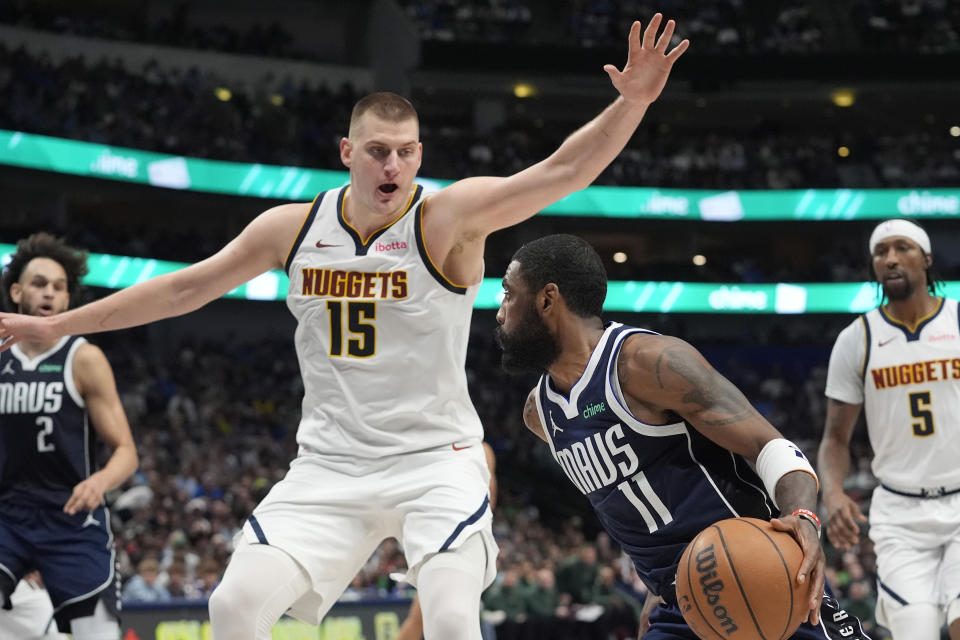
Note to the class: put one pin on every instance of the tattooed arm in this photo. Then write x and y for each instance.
(660, 376)
(531, 417)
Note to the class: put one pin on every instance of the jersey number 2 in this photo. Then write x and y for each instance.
(363, 345)
(46, 429)
(920, 409)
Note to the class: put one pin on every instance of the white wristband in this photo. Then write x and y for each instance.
(778, 458)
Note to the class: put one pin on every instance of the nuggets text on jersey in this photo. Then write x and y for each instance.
(916, 373)
(335, 283)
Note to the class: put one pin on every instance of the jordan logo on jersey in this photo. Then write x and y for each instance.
(555, 427)
(90, 521)
(8, 369)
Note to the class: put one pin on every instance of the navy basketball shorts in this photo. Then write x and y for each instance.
(75, 556)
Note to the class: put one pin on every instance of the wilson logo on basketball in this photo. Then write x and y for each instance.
(712, 587)
(390, 246)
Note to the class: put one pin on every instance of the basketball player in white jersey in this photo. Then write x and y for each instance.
(900, 363)
(382, 282)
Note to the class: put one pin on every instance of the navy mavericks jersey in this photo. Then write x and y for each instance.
(653, 487)
(45, 442)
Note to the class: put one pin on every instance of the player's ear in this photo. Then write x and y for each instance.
(549, 296)
(929, 259)
(16, 292)
(346, 152)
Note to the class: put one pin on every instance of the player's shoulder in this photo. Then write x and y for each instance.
(859, 324)
(289, 211)
(854, 336)
(88, 355)
(645, 358)
(642, 348)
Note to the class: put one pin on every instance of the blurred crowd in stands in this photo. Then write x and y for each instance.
(175, 29)
(472, 20)
(751, 27)
(179, 112)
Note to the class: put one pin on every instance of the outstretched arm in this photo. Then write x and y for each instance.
(95, 383)
(261, 246)
(833, 461)
(479, 206)
(664, 374)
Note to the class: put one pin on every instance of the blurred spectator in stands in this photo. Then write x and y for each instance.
(577, 576)
(505, 605)
(177, 584)
(208, 577)
(619, 616)
(144, 587)
(861, 603)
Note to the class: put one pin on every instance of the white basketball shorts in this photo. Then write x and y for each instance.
(330, 516)
(917, 542)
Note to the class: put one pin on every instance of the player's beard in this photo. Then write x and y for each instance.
(529, 348)
(24, 307)
(27, 309)
(899, 289)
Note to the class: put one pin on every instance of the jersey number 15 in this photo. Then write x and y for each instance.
(363, 334)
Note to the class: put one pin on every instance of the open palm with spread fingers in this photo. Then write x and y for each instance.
(648, 63)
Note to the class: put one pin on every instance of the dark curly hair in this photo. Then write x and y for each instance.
(44, 245)
(570, 263)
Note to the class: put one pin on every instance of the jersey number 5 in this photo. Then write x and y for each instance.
(920, 409)
(363, 345)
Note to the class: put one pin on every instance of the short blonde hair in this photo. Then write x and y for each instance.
(386, 106)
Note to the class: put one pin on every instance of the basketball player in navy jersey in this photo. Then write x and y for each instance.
(383, 276)
(52, 513)
(655, 438)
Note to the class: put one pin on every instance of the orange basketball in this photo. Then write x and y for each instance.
(737, 580)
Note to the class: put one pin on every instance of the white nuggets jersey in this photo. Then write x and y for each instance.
(381, 337)
(908, 379)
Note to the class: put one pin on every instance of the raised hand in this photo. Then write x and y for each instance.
(648, 63)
